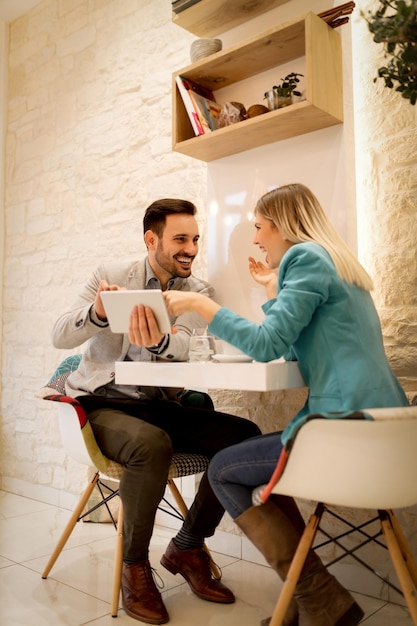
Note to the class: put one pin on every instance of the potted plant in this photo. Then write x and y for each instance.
(282, 95)
(394, 24)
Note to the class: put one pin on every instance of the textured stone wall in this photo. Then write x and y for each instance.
(386, 181)
(88, 148)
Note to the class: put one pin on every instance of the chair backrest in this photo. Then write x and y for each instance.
(72, 436)
(76, 433)
(355, 463)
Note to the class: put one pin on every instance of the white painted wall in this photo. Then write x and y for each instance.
(317, 159)
(322, 160)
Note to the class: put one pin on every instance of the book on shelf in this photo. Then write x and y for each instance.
(180, 5)
(185, 87)
(208, 111)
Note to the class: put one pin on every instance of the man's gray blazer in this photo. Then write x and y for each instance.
(80, 324)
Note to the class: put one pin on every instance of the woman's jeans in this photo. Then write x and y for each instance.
(236, 471)
(142, 436)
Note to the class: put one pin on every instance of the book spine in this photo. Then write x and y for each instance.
(201, 112)
(189, 107)
(208, 116)
(182, 5)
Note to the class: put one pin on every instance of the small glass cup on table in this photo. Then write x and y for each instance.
(201, 346)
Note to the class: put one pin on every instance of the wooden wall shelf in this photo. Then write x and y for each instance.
(307, 36)
(208, 18)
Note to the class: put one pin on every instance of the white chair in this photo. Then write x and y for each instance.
(359, 463)
(78, 440)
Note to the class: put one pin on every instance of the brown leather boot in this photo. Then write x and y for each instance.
(141, 598)
(290, 619)
(321, 600)
(194, 566)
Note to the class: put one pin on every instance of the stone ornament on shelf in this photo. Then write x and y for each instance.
(232, 112)
(242, 110)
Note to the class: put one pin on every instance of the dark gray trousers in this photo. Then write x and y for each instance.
(142, 436)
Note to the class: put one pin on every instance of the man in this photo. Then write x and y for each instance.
(141, 427)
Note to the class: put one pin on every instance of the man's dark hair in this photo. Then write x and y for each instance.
(155, 215)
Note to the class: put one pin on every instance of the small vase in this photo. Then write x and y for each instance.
(275, 101)
(283, 101)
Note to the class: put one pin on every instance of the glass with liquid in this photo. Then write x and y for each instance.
(201, 346)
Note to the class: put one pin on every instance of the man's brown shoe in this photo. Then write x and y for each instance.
(194, 566)
(141, 598)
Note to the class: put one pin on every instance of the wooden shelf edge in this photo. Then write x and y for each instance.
(209, 18)
(249, 57)
(307, 35)
(298, 119)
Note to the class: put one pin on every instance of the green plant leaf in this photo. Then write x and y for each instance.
(394, 25)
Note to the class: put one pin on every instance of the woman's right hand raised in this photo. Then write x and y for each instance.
(266, 276)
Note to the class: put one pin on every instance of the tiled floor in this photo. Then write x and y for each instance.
(79, 587)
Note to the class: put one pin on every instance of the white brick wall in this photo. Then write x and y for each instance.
(88, 148)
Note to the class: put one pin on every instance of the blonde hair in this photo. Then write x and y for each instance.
(299, 216)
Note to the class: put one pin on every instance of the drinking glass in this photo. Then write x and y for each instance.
(201, 346)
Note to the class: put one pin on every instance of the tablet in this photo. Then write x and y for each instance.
(119, 304)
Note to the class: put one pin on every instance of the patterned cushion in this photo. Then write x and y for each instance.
(184, 464)
(57, 381)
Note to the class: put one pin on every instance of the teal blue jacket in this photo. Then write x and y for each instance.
(329, 326)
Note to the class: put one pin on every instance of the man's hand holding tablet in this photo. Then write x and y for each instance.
(141, 313)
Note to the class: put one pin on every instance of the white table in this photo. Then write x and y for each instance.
(252, 376)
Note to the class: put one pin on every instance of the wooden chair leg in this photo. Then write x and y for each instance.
(118, 563)
(405, 550)
(178, 497)
(70, 525)
(184, 512)
(296, 567)
(400, 564)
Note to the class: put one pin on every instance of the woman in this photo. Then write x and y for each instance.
(319, 312)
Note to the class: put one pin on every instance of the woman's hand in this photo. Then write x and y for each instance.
(179, 302)
(264, 276)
